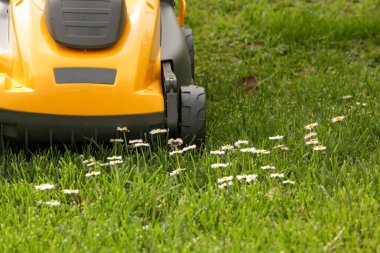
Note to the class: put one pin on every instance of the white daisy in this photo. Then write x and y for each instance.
(362, 104)
(70, 191)
(288, 182)
(219, 165)
(114, 162)
(311, 126)
(248, 150)
(309, 136)
(158, 131)
(347, 97)
(251, 178)
(135, 141)
(338, 119)
(225, 179)
(177, 171)
(278, 137)
(217, 152)
(227, 147)
(319, 148)
(122, 129)
(240, 177)
(281, 147)
(268, 167)
(312, 142)
(240, 142)
(92, 164)
(89, 161)
(175, 142)
(93, 173)
(221, 186)
(119, 140)
(174, 152)
(111, 158)
(261, 151)
(248, 178)
(189, 148)
(277, 175)
(44, 187)
(140, 144)
(52, 203)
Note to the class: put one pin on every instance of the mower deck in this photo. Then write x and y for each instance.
(23, 128)
(71, 71)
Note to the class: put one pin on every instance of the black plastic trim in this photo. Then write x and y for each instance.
(172, 97)
(24, 127)
(86, 24)
(85, 75)
(171, 2)
(174, 46)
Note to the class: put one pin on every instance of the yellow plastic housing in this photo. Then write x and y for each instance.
(27, 81)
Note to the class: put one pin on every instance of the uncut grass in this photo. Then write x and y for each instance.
(306, 56)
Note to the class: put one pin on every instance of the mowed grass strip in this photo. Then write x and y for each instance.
(305, 57)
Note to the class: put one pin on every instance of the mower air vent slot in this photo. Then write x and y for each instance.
(76, 4)
(80, 16)
(85, 31)
(84, 75)
(86, 24)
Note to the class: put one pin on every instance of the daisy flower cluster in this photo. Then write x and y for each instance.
(225, 181)
(279, 146)
(221, 164)
(310, 139)
(248, 178)
(244, 147)
(138, 143)
(53, 202)
(350, 97)
(94, 165)
(181, 151)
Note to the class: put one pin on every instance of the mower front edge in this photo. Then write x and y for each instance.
(22, 128)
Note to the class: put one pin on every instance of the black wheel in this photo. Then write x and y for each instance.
(193, 115)
(190, 46)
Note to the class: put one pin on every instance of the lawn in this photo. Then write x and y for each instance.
(269, 68)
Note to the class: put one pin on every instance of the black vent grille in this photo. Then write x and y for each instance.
(89, 24)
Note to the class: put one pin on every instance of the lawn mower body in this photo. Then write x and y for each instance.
(75, 70)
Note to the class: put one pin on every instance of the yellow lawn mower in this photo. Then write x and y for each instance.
(72, 70)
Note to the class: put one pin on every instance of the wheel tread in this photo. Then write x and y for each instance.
(193, 109)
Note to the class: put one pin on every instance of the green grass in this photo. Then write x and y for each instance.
(306, 55)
